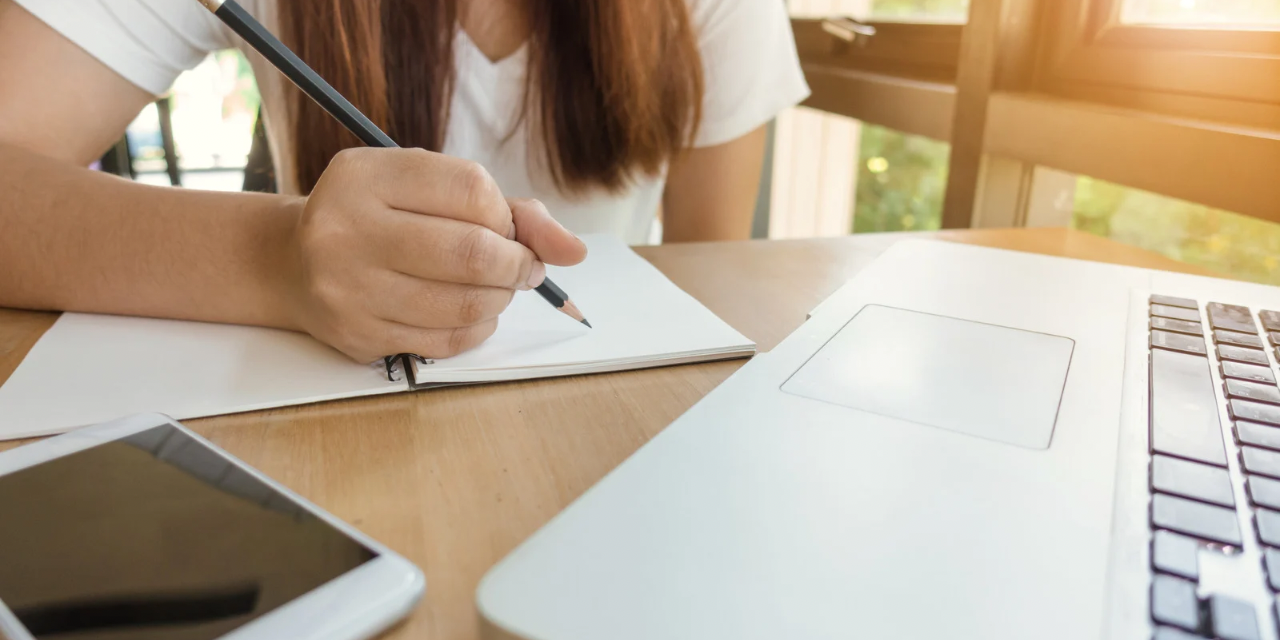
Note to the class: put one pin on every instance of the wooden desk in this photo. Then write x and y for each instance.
(456, 478)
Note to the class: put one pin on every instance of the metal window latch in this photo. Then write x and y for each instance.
(848, 29)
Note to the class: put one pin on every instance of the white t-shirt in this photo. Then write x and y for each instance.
(752, 72)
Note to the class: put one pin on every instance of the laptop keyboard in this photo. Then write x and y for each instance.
(1193, 504)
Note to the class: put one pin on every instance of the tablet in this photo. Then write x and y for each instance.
(141, 529)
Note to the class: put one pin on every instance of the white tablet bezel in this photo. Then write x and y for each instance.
(354, 606)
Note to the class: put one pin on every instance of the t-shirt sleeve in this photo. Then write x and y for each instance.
(752, 69)
(148, 42)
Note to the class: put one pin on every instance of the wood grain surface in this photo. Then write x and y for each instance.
(453, 479)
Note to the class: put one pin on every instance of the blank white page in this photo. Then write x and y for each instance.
(91, 368)
(640, 319)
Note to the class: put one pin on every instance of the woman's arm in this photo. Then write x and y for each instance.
(711, 191)
(395, 251)
(76, 239)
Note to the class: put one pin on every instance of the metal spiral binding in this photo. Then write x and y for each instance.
(390, 363)
(400, 362)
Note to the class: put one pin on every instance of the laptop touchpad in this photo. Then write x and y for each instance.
(983, 380)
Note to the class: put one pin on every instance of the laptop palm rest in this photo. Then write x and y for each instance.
(979, 379)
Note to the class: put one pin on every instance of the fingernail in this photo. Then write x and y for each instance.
(537, 275)
(511, 231)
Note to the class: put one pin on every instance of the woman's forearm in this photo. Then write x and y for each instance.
(72, 239)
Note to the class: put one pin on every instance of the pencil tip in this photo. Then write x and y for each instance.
(584, 321)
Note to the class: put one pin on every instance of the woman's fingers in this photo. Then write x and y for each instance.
(428, 183)
(436, 305)
(433, 343)
(402, 250)
(445, 250)
(551, 242)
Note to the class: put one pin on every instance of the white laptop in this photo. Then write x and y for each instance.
(962, 444)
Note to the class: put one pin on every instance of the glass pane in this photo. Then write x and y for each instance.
(952, 11)
(1229, 243)
(920, 10)
(214, 109)
(1248, 14)
(834, 175)
(901, 181)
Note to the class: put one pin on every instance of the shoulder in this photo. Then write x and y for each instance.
(149, 42)
(751, 67)
(710, 16)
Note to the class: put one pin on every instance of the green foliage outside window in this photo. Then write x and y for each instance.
(1229, 243)
(924, 10)
(901, 181)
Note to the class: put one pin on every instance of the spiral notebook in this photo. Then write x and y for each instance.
(92, 368)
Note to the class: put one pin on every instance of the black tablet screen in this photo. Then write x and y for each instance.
(156, 536)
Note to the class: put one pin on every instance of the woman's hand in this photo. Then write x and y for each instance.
(408, 251)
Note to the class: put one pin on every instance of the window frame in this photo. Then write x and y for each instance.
(903, 77)
(1202, 103)
(1220, 73)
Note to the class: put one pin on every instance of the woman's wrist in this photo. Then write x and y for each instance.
(281, 266)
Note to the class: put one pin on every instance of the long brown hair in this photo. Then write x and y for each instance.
(613, 87)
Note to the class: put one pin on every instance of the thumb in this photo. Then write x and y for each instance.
(551, 242)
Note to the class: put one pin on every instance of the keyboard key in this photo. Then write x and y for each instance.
(1176, 554)
(1271, 561)
(1274, 337)
(1261, 461)
(1231, 619)
(1178, 342)
(1252, 391)
(1197, 519)
(1253, 373)
(1242, 354)
(1176, 313)
(1268, 527)
(1174, 633)
(1259, 435)
(1173, 602)
(1178, 326)
(1238, 339)
(1230, 317)
(1254, 411)
(1270, 320)
(1264, 492)
(1191, 480)
(1184, 408)
(1185, 303)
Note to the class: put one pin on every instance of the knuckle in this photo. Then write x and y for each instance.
(433, 344)
(418, 156)
(346, 158)
(471, 306)
(458, 341)
(476, 184)
(476, 253)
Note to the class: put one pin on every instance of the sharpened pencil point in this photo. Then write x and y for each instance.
(584, 321)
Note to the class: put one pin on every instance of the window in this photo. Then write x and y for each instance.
(213, 111)
(953, 11)
(1243, 14)
(882, 171)
(1229, 243)
(901, 181)
(1206, 59)
(835, 175)
(920, 10)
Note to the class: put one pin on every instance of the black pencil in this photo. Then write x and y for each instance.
(288, 63)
